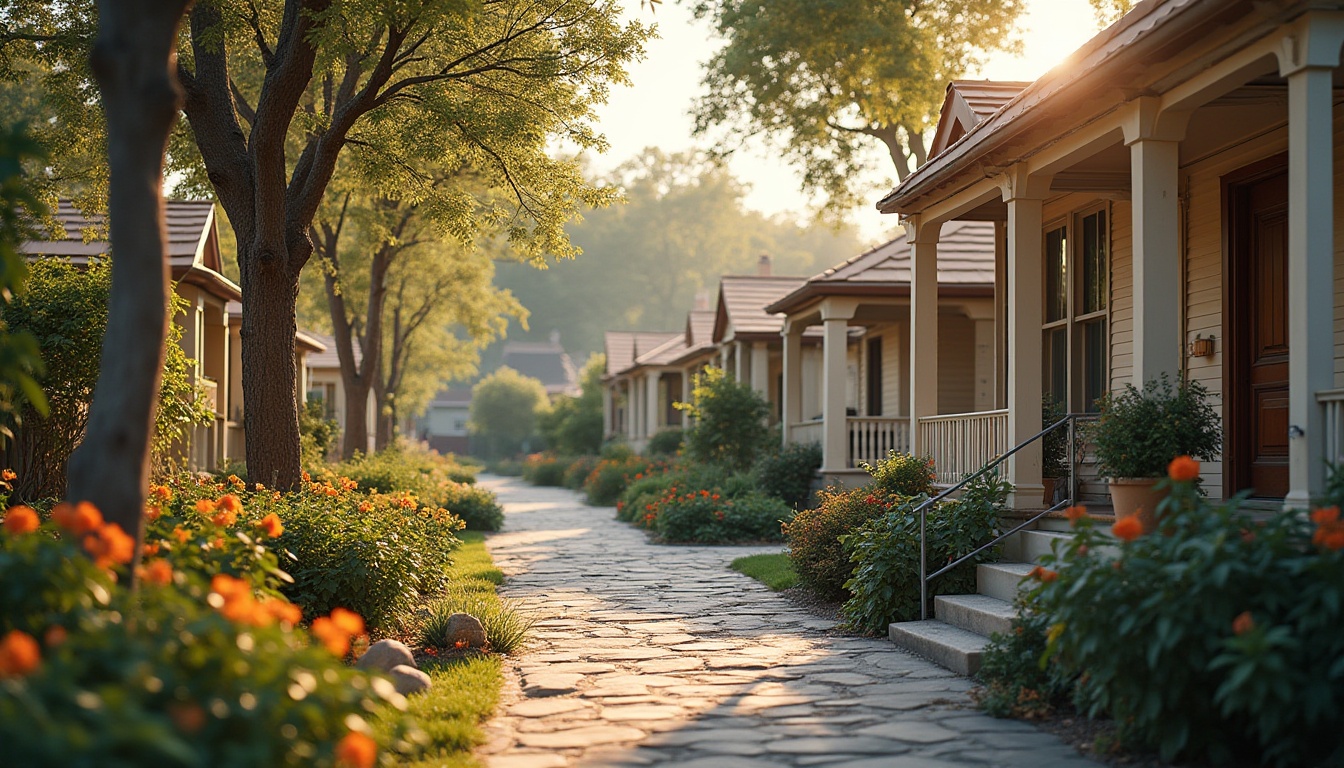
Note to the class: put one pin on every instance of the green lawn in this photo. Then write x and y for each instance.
(774, 571)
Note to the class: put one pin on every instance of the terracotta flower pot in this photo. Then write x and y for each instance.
(1049, 483)
(1137, 496)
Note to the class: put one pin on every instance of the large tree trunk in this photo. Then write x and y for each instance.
(134, 61)
(270, 413)
(355, 434)
(385, 421)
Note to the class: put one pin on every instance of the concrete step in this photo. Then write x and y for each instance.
(981, 614)
(1034, 544)
(1001, 580)
(940, 642)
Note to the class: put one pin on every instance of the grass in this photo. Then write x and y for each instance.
(774, 571)
(466, 688)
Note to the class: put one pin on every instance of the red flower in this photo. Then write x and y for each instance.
(1243, 623)
(1075, 513)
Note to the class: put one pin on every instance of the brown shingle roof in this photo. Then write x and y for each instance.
(622, 347)
(329, 357)
(968, 102)
(742, 303)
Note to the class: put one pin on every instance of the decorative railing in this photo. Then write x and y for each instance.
(962, 443)
(804, 432)
(1333, 400)
(872, 438)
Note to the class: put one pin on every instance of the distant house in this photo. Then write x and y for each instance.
(544, 361)
(632, 412)
(325, 385)
(444, 425)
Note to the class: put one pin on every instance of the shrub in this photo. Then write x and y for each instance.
(318, 435)
(885, 552)
(578, 471)
(434, 480)
(573, 425)
(1016, 681)
(505, 467)
(1216, 638)
(708, 517)
(641, 494)
(609, 478)
(544, 469)
(1140, 431)
(504, 409)
(902, 474)
(729, 428)
(666, 442)
(787, 473)
(818, 557)
(478, 508)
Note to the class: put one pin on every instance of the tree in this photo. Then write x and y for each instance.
(504, 407)
(1109, 11)
(573, 425)
(825, 81)
(728, 426)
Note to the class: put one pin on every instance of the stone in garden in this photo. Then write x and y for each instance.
(386, 655)
(465, 627)
(409, 680)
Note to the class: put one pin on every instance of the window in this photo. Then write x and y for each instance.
(1075, 344)
(874, 377)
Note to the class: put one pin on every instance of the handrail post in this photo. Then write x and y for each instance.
(923, 566)
(1073, 460)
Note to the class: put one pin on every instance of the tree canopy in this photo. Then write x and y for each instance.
(504, 409)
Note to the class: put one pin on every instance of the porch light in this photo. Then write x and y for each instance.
(1202, 346)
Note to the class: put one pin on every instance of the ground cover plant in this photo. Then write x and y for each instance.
(774, 571)
(787, 473)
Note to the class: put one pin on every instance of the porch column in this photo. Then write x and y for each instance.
(1000, 314)
(632, 410)
(760, 369)
(793, 377)
(723, 357)
(986, 371)
(608, 414)
(1311, 245)
(652, 404)
(739, 363)
(835, 317)
(923, 239)
(1024, 195)
(1154, 138)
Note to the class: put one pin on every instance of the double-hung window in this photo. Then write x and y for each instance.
(1075, 342)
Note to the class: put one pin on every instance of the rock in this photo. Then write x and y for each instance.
(386, 655)
(465, 627)
(409, 680)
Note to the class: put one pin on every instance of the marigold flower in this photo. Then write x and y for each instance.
(1325, 515)
(1075, 513)
(205, 506)
(307, 478)
(1243, 623)
(271, 525)
(365, 506)
(283, 610)
(1043, 574)
(1183, 469)
(229, 503)
(223, 518)
(181, 535)
(348, 620)
(54, 636)
(227, 586)
(161, 492)
(110, 546)
(331, 636)
(9, 475)
(1127, 528)
(356, 750)
(157, 571)
(461, 644)
(19, 654)
(20, 520)
(78, 519)
(152, 512)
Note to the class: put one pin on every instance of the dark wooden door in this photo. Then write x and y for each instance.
(1257, 419)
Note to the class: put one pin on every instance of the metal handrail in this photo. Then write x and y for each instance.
(923, 509)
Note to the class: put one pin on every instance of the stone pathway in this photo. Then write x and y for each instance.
(652, 655)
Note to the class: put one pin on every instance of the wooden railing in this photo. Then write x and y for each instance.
(804, 432)
(1333, 400)
(962, 443)
(872, 438)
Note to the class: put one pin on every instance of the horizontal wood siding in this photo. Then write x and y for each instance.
(956, 363)
(1122, 294)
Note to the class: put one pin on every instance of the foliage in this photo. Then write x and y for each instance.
(433, 480)
(1018, 681)
(1215, 638)
(504, 408)
(729, 421)
(827, 83)
(774, 571)
(885, 553)
(20, 360)
(640, 495)
(1055, 445)
(610, 477)
(1110, 11)
(573, 425)
(578, 471)
(666, 442)
(505, 467)
(814, 537)
(545, 469)
(1139, 432)
(902, 474)
(707, 516)
(318, 435)
(787, 473)
(506, 625)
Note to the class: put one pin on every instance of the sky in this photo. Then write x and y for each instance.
(655, 110)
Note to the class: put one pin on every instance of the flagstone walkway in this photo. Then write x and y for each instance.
(653, 655)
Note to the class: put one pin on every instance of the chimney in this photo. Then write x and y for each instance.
(763, 265)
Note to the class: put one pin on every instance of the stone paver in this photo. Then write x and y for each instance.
(650, 655)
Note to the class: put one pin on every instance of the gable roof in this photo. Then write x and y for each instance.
(623, 347)
(968, 102)
(328, 357)
(545, 361)
(742, 303)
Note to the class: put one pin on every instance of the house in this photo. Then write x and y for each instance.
(544, 361)
(1165, 202)
(444, 425)
(850, 395)
(210, 326)
(326, 385)
(629, 413)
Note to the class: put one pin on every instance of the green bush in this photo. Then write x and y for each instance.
(787, 473)
(435, 481)
(641, 494)
(504, 410)
(818, 557)
(666, 442)
(505, 467)
(572, 426)
(1215, 638)
(319, 436)
(478, 508)
(730, 422)
(902, 474)
(578, 471)
(609, 478)
(545, 469)
(708, 517)
(1140, 431)
(885, 552)
(1016, 682)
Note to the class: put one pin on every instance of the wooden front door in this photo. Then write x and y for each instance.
(1256, 420)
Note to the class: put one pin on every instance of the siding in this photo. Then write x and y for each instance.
(1122, 294)
(956, 363)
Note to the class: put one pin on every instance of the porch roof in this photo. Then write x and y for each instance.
(742, 306)
(623, 347)
(965, 269)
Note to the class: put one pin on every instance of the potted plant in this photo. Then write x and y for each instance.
(1054, 448)
(1139, 432)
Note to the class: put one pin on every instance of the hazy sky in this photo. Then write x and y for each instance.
(655, 110)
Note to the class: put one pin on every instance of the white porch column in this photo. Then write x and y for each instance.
(1311, 244)
(1000, 314)
(652, 404)
(739, 363)
(1154, 138)
(760, 369)
(1026, 242)
(636, 410)
(986, 371)
(723, 357)
(793, 377)
(835, 317)
(608, 415)
(923, 239)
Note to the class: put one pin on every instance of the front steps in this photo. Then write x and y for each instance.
(958, 634)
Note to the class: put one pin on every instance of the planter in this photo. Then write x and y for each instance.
(1050, 483)
(1137, 496)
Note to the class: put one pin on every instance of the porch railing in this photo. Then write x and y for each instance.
(872, 438)
(961, 443)
(805, 432)
(1333, 400)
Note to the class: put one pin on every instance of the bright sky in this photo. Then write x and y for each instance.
(655, 110)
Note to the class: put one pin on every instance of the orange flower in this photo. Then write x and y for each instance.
(181, 535)
(1127, 528)
(1075, 513)
(78, 519)
(54, 636)
(461, 644)
(1183, 469)
(1243, 623)
(365, 506)
(1042, 573)
(205, 506)
(229, 503)
(110, 546)
(157, 572)
(235, 480)
(349, 621)
(20, 520)
(355, 750)
(161, 492)
(152, 549)
(330, 635)
(9, 475)
(19, 654)
(270, 525)
(283, 610)
(1325, 515)
(306, 477)
(152, 512)
(229, 587)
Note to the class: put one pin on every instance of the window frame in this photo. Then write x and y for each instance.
(1074, 322)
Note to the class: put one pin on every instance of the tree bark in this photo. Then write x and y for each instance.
(270, 413)
(134, 62)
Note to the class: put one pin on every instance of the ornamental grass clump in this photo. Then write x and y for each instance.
(1215, 637)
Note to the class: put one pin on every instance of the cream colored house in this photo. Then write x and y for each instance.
(850, 396)
(1164, 201)
(325, 385)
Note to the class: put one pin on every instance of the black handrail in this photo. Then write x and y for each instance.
(924, 576)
